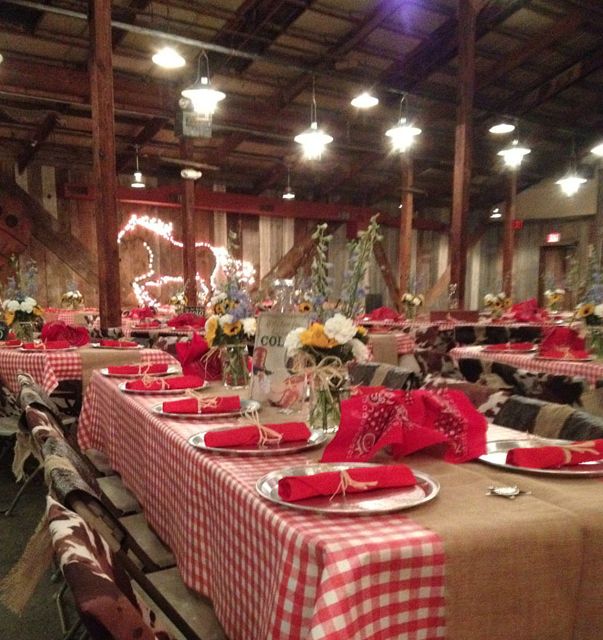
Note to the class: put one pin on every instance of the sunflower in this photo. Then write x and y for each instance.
(507, 303)
(229, 305)
(219, 309)
(361, 332)
(315, 337)
(211, 328)
(304, 307)
(232, 328)
(585, 309)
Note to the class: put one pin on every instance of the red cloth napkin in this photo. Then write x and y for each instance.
(142, 312)
(148, 324)
(119, 344)
(215, 404)
(510, 346)
(50, 345)
(250, 435)
(187, 320)
(159, 384)
(408, 422)
(191, 354)
(76, 336)
(556, 456)
(294, 488)
(564, 354)
(382, 313)
(562, 337)
(137, 369)
(11, 343)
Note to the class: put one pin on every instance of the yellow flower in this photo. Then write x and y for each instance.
(361, 332)
(304, 307)
(232, 329)
(9, 316)
(219, 309)
(315, 336)
(229, 305)
(508, 303)
(37, 311)
(211, 328)
(497, 304)
(585, 309)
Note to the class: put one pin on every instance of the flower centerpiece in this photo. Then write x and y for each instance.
(497, 303)
(322, 350)
(411, 302)
(230, 326)
(554, 299)
(179, 301)
(72, 298)
(21, 310)
(592, 316)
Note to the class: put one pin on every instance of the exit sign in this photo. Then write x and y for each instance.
(553, 237)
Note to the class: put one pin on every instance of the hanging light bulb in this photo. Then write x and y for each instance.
(288, 193)
(502, 127)
(168, 58)
(403, 134)
(513, 154)
(137, 178)
(313, 140)
(570, 183)
(365, 101)
(496, 214)
(202, 95)
(598, 149)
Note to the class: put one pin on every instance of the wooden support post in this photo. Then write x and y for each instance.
(509, 233)
(103, 147)
(406, 215)
(461, 181)
(189, 267)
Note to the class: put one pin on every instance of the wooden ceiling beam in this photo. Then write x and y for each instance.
(127, 14)
(45, 128)
(146, 134)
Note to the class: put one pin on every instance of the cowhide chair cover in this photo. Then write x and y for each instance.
(433, 363)
(101, 590)
(375, 374)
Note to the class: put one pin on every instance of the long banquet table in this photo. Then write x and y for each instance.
(464, 566)
(591, 371)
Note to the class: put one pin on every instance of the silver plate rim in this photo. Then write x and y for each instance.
(97, 345)
(510, 351)
(545, 359)
(250, 405)
(71, 348)
(563, 472)
(332, 509)
(163, 392)
(317, 437)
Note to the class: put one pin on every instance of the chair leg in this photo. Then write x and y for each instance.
(24, 486)
(61, 609)
(70, 634)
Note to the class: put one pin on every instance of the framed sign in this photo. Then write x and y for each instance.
(271, 381)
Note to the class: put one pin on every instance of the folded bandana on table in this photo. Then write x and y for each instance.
(11, 343)
(556, 456)
(118, 344)
(215, 404)
(528, 311)
(268, 434)
(161, 384)
(563, 337)
(141, 312)
(383, 313)
(187, 320)
(76, 336)
(331, 483)
(137, 369)
(50, 345)
(563, 353)
(408, 422)
(196, 358)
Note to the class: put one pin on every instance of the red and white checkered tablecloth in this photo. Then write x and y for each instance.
(405, 343)
(48, 368)
(271, 572)
(591, 371)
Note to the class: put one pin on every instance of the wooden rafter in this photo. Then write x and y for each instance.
(146, 134)
(45, 128)
(127, 14)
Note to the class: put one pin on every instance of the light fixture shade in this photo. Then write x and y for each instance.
(365, 101)
(288, 194)
(138, 181)
(190, 174)
(203, 97)
(168, 58)
(403, 135)
(1, 58)
(570, 184)
(501, 128)
(513, 154)
(598, 149)
(313, 141)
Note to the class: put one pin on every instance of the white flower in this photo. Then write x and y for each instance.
(599, 310)
(12, 305)
(249, 326)
(359, 350)
(340, 328)
(225, 319)
(416, 301)
(407, 297)
(26, 306)
(293, 341)
(30, 301)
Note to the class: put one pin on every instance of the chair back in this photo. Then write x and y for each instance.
(378, 374)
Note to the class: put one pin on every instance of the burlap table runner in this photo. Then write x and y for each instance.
(98, 358)
(384, 348)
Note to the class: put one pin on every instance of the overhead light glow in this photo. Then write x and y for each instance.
(190, 174)
(365, 101)
(496, 214)
(202, 95)
(288, 194)
(313, 141)
(552, 237)
(403, 135)
(502, 127)
(570, 184)
(138, 181)
(1, 58)
(168, 58)
(513, 155)
(598, 150)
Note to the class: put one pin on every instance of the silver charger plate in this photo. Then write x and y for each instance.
(170, 371)
(163, 392)
(589, 359)
(247, 406)
(513, 351)
(366, 503)
(97, 345)
(315, 440)
(47, 350)
(496, 455)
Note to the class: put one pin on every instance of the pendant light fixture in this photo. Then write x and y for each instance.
(202, 95)
(168, 58)
(313, 140)
(598, 149)
(403, 134)
(502, 127)
(570, 183)
(288, 193)
(513, 155)
(137, 178)
(365, 100)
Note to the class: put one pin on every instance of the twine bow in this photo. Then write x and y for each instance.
(205, 358)
(346, 481)
(267, 436)
(149, 381)
(328, 375)
(579, 447)
(203, 402)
